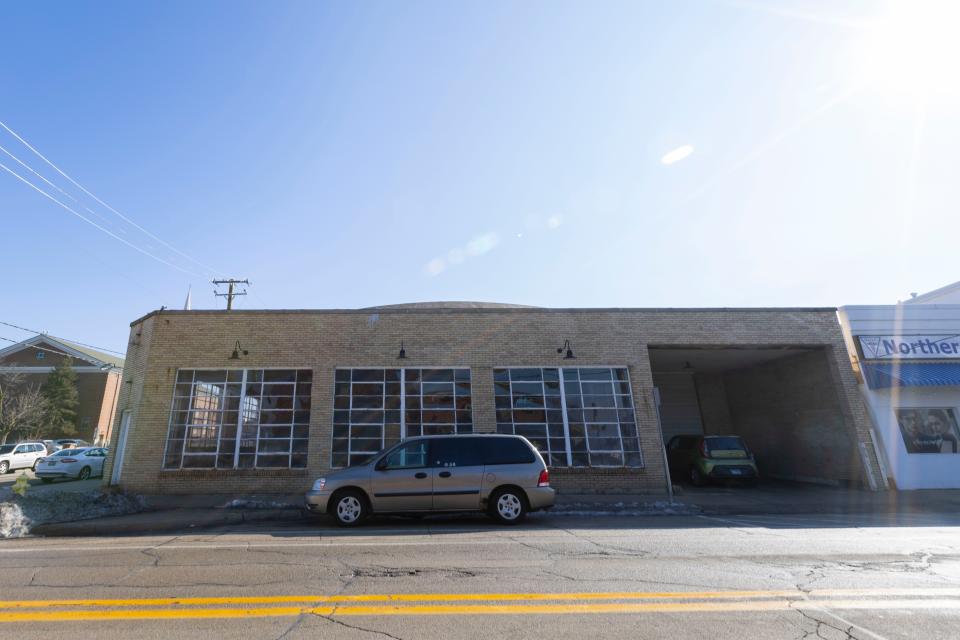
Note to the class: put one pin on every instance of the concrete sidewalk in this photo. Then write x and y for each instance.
(168, 514)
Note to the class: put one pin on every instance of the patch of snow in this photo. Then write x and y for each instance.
(18, 514)
(243, 503)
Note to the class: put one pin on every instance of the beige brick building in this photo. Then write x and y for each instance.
(265, 401)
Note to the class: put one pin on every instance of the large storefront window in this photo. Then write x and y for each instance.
(230, 419)
(579, 417)
(374, 408)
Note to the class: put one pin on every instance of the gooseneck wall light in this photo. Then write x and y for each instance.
(566, 347)
(237, 350)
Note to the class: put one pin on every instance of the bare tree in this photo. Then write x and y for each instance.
(23, 407)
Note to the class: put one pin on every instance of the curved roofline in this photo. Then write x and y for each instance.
(452, 304)
(415, 311)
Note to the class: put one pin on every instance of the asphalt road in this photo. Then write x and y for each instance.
(555, 576)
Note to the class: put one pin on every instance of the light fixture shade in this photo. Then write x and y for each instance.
(237, 350)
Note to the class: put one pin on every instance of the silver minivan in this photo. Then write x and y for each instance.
(503, 475)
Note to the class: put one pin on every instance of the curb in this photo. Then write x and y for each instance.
(187, 520)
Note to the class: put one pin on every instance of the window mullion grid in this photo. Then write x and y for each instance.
(243, 408)
(614, 387)
(188, 426)
(403, 403)
(566, 419)
(513, 422)
(350, 423)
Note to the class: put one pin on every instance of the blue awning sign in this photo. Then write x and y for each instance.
(885, 375)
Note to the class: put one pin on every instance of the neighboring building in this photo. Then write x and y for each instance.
(265, 401)
(98, 378)
(907, 358)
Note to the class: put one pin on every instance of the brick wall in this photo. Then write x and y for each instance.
(789, 413)
(481, 339)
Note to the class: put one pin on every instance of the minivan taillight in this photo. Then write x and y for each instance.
(544, 479)
(704, 451)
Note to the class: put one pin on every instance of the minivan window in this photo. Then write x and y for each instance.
(505, 451)
(409, 456)
(458, 451)
(725, 444)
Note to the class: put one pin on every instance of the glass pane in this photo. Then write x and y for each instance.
(367, 375)
(526, 375)
(199, 462)
(273, 461)
(409, 456)
(437, 375)
(280, 375)
(595, 374)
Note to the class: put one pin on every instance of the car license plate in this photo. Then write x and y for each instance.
(736, 472)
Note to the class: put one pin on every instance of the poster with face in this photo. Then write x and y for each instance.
(931, 430)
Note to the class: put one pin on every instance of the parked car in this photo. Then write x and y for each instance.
(23, 455)
(79, 463)
(703, 458)
(67, 443)
(502, 475)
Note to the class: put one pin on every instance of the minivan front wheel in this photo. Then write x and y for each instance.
(349, 508)
(508, 506)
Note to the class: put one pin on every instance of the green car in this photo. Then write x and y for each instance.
(703, 458)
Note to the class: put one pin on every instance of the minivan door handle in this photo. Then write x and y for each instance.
(420, 474)
(444, 474)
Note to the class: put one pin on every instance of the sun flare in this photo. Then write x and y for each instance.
(912, 47)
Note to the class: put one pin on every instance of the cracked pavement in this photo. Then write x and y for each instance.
(802, 555)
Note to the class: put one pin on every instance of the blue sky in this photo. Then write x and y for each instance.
(348, 154)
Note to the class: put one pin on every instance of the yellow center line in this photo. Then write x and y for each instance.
(485, 597)
(502, 609)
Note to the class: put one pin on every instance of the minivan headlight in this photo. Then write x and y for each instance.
(319, 484)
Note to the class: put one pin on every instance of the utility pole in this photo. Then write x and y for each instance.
(229, 295)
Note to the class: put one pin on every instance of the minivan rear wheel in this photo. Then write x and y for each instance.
(349, 508)
(508, 506)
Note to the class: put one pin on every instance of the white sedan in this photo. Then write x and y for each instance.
(81, 463)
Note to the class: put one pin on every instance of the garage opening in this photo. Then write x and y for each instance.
(782, 401)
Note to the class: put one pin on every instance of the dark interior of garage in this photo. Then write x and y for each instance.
(781, 400)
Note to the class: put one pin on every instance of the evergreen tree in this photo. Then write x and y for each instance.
(60, 391)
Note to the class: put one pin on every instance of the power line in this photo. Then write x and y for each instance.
(91, 222)
(123, 217)
(39, 175)
(42, 333)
